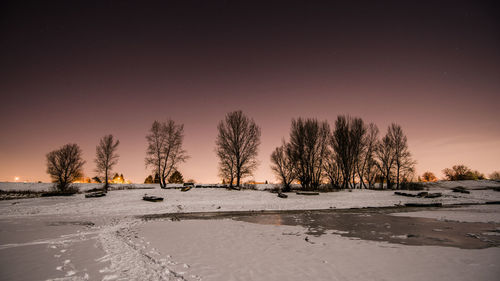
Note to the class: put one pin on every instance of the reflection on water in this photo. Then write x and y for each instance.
(272, 219)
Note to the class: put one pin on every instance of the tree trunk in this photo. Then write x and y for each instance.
(361, 180)
(162, 182)
(106, 179)
(238, 175)
(397, 185)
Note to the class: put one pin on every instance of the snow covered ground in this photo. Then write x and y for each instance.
(77, 238)
(232, 250)
(468, 184)
(481, 213)
(130, 203)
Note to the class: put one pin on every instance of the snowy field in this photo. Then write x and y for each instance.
(130, 203)
(229, 250)
(77, 238)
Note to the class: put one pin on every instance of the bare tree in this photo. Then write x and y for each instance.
(165, 150)
(64, 165)
(347, 144)
(385, 155)
(402, 156)
(237, 146)
(227, 170)
(308, 150)
(282, 166)
(366, 164)
(357, 134)
(457, 172)
(495, 176)
(371, 171)
(331, 170)
(462, 172)
(106, 157)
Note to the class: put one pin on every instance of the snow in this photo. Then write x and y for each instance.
(233, 250)
(52, 237)
(130, 203)
(480, 213)
(468, 184)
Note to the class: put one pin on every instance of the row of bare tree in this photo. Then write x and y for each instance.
(65, 165)
(236, 147)
(352, 153)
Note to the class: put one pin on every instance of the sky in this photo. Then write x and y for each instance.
(74, 71)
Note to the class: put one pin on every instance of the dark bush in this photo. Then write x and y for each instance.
(412, 186)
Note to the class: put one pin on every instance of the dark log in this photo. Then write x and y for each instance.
(95, 194)
(306, 193)
(152, 198)
(423, 204)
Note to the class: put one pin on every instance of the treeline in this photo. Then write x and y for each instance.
(457, 173)
(350, 154)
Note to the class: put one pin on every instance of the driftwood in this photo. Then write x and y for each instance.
(423, 194)
(58, 193)
(95, 194)
(434, 195)
(493, 202)
(306, 193)
(152, 198)
(460, 189)
(282, 195)
(423, 204)
(186, 188)
(405, 194)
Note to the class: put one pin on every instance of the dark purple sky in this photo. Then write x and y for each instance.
(73, 71)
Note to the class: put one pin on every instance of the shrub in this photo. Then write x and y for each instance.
(462, 172)
(412, 185)
(429, 177)
(56, 191)
(495, 176)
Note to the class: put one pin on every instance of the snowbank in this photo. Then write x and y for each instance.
(468, 184)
